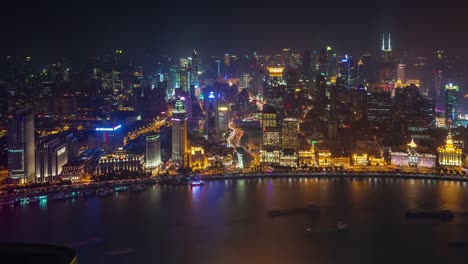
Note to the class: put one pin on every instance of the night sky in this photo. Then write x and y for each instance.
(212, 27)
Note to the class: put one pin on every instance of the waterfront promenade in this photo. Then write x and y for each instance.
(23, 191)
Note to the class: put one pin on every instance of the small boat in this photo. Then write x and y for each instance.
(121, 189)
(105, 192)
(138, 188)
(197, 183)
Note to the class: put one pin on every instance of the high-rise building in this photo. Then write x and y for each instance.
(451, 97)
(401, 73)
(51, 156)
(386, 64)
(109, 138)
(244, 80)
(436, 92)
(276, 87)
(21, 146)
(194, 69)
(153, 151)
(222, 119)
(378, 107)
(290, 134)
(179, 134)
(271, 146)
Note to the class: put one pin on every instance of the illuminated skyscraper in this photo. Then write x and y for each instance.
(153, 151)
(222, 119)
(184, 74)
(290, 134)
(451, 96)
(270, 151)
(401, 73)
(276, 86)
(179, 134)
(21, 146)
(194, 69)
(51, 156)
(386, 64)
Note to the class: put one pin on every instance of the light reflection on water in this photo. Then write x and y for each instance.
(223, 218)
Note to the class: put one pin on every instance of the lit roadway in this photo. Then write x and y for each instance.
(151, 127)
(234, 138)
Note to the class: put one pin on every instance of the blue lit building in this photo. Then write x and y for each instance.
(108, 138)
(21, 146)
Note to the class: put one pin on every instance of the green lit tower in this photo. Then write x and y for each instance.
(451, 96)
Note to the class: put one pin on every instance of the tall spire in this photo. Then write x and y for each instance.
(389, 42)
(383, 41)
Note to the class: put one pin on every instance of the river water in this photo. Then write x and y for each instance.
(226, 222)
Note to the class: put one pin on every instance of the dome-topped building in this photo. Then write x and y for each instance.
(449, 154)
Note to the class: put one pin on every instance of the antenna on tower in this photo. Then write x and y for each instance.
(383, 41)
(389, 42)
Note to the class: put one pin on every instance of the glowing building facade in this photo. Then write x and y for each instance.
(197, 158)
(21, 146)
(449, 154)
(179, 134)
(153, 152)
(412, 158)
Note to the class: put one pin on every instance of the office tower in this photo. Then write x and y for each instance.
(378, 107)
(320, 89)
(153, 151)
(323, 61)
(436, 92)
(292, 79)
(346, 73)
(386, 64)
(290, 134)
(286, 58)
(184, 74)
(109, 138)
(401, 73)
(364, 69)
(271, 146)
(173, 80)
(179, 134)
(244, 80)
(21, 146)
(276, 87)
(51, 156)
(451, 107)
(222, 119)
(72, 146)
(194, 70)
(183, 79)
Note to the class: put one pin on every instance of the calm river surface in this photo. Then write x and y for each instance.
(225, 222)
